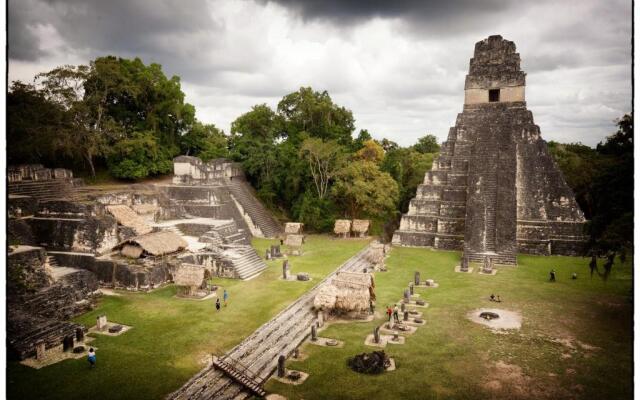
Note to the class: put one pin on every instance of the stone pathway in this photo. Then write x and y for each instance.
(257, 355)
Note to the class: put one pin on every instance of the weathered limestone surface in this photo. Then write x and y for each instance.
(494, 189)
(38, 305)
(68, 226)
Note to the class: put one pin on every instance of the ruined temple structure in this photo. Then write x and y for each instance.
(494, 189)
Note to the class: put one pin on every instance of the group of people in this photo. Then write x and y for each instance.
(393, 312)
(225, 297)
(495, 298)
(552, 276)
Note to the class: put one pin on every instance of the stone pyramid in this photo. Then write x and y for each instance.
(494, 189)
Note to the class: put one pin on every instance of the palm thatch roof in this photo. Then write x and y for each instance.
(145, 208)
(376, 254)
(293, 227)
(156, 243)
(342, 226)
(127, 217)
(131, 251)
(188, 275)
(294, 240)
(348, 291)
(360, 226)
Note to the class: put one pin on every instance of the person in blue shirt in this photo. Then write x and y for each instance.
(92, 358)
(225, 296)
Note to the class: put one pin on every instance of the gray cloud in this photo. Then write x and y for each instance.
(399, 65)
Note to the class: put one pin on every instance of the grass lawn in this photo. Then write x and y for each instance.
(171, 337)
(575, 341)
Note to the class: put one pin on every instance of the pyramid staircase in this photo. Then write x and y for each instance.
(261, 217)
(245, 261)
(54, 189)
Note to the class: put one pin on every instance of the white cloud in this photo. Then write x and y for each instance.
(401, 74)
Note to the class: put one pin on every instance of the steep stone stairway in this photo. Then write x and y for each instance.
(54, 189)
(261, 217)
(257, 356)
(245, 260)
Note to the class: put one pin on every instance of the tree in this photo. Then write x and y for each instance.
(602, 180)
(314, 113)
(388, 145)
(363, 190)
(358, 142)
(579, 165)
(371, 151)
(36, 126)
(427, 144)
(253, 142)
(407, 167)
(611, 226)
(323, 158)
(65, 87)
(204, 141)
(138, 157)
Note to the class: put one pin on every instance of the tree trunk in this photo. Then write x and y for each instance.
(90, 161)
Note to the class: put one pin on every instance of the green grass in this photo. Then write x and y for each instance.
(171, 337)
(452, 358)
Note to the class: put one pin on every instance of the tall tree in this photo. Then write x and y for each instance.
(371, 151)
(314, 113)
(205, 141)
(427, 144)
(365, 191)
(65, 87)
(324, 159)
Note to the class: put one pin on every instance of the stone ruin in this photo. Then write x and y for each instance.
(40, 304)
(66, 240)
(494, 189)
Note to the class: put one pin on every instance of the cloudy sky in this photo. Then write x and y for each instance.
(398, 65)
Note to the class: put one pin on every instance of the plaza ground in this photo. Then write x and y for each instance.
(172, 338)
(575, 341)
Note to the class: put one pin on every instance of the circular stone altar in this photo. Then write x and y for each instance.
(496, 319)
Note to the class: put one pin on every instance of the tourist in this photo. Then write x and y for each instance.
(372, 306)
(552, 275)
(574, 276)
(218, 304)
(92, 358)
(389, 313)
(225, 296)
(492, 297)
(593, 265)
(498, 299)
(395, 314)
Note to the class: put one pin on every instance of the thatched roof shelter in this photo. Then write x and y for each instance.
(360, 226)
(376, 254)
(152, 244)
(127, 217)
(294, 240)
(348, 291)
(190, 275)
(342, 227)
(293, 228)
